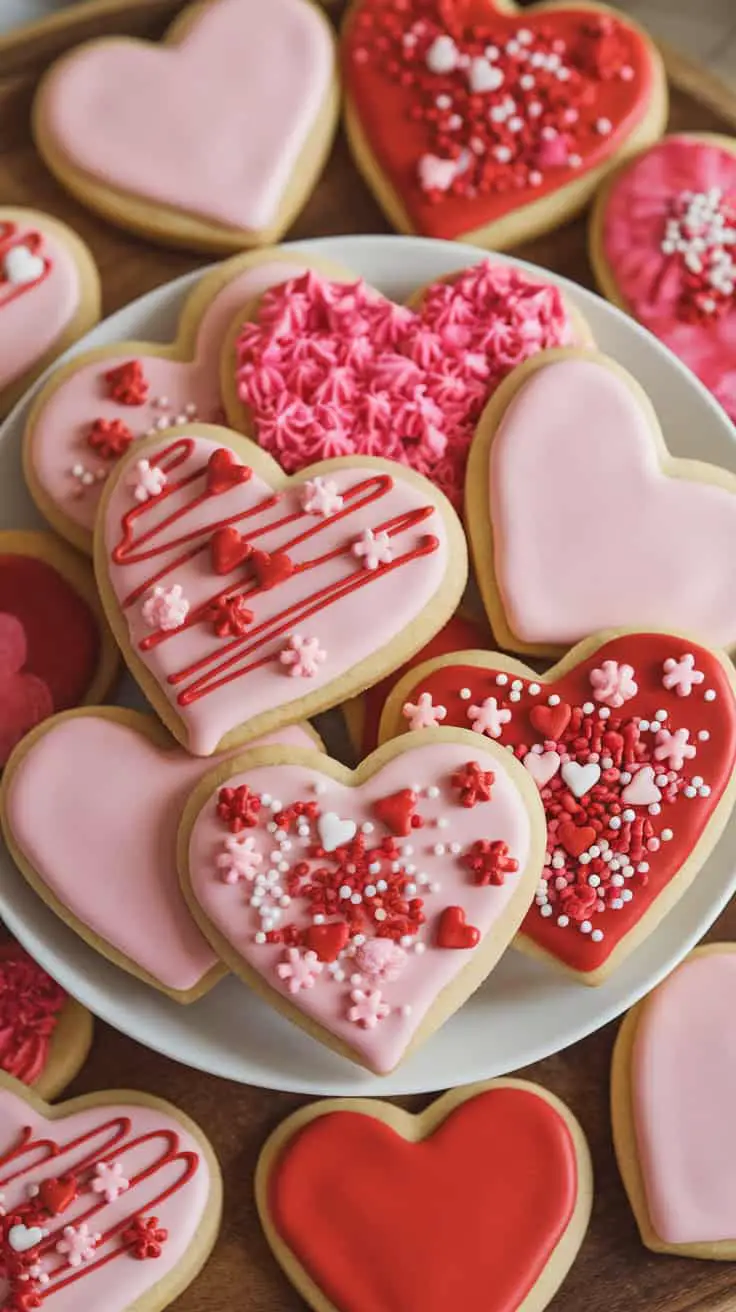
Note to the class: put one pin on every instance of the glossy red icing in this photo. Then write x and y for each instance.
(466, 1219)
(395, 92)
(580, 821)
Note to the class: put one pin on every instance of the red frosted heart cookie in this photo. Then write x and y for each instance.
(55, 649)
(382, 897)
(661, 243)
(473, 120)
(507, 1150)
(322, 368)
(631, 741)
(44, 1034)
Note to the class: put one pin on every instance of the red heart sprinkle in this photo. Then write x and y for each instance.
(228, 549)
(327, 941)
(454, 931)
(552, 721)
(575, 840)
(57, 1195)
(396, 811)
(271, 570)
(224, 471)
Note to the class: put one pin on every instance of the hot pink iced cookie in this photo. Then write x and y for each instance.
(364, 916)
(49, 296)
(111, 1202)
(662, 240)
(244, 600)
(213, 139)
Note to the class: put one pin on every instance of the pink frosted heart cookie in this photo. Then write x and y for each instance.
(111, 1202)
(544, 489)
(49, 296)
(106, 784)
(93, 409)
(474, 120)
(370, 925)
(326, 369)
(662, 237)
(237, 110)
(238, 595)
(673, 1084)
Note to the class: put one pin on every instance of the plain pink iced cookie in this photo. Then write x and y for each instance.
(663, 242)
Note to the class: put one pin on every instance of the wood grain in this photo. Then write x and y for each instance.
(613, 1273)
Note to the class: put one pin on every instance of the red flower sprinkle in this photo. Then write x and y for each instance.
(127, 383)
(110, 438)
(578, 901)
(238, 808)
(475, 784)
(145, 1237)
(229, 616)
(489, 861)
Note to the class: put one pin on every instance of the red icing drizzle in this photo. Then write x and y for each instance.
(225, 663)
(609, 80)
(10, 236)
(62, 634)
(29, 1154)
(466, 1219)
(577, 823)
(30, 1002)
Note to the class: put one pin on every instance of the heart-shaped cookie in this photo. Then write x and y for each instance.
(55, 647)
(673, 1082)
(44, 1034)
(323, 368)
(106, 786)
(471, 119)
(541, 482)
(506, 1149)
(648, 720)
(49, 296)
(237, 111)
(111, 1202)
(661, 243)
(93, 408)
(286, 633)
(373, 860)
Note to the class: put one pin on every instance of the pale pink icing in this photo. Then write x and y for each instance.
(34, 320)
(589, 533)
(58, 439)
(214, 125)
(328, 369)
(683, 1084)
(94, 806)
(424, 975)
(651, 281)
(119, 1285)
(394, 596)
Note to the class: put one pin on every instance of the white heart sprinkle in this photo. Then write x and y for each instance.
(21, 266)
(23, 1237)
(542, 766)
(483, 76)
(642, 791)
(333, 831)
(580, 778)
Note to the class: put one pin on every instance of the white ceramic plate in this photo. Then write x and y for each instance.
(526, 1010)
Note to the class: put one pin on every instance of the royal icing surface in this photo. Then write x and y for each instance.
(505, 1155)
(471, 112)
(328, 369)
(683, 1079)
(225, 113)
(39, 295)
(562, 569)
(73, 439)
(359, 905)
(89, 1199)
(49, 646)
(94, 793)
(30, 1003)
(668, 235)
(257, 570)
(631, 750)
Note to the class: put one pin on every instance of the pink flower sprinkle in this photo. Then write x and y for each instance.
(368, 1008)
(165, 608)
(422, 714)
(109, 1180)
(78, 1244)
(681, 676)
(674, 747)
(488, 718)
(321, 497)
(299, 970)
(613, 684)
(380, 960)
(146, 481)
(373, 549)
(240, 860)
(303, 656)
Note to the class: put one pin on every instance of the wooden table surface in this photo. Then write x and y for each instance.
(613, 1272)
